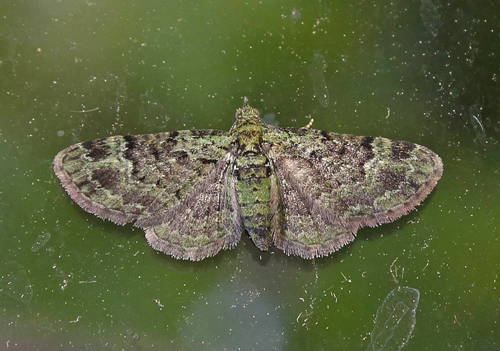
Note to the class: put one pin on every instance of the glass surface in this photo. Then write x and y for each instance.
(423, 71)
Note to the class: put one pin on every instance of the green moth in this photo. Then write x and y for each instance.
(194, 192)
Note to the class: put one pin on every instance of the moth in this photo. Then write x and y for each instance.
(195, 192)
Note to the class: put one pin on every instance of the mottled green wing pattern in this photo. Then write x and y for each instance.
(157, 179)
(327, 185)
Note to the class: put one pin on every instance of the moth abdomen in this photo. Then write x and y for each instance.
(254, 197)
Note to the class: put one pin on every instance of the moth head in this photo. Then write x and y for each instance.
(247, 111)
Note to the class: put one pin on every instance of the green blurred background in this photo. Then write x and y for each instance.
(424, 71)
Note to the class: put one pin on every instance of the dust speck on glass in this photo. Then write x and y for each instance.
(195, 192)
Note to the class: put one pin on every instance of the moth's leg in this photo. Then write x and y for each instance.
(309, 125)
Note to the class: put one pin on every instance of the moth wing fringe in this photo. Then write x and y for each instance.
(313, 251)
(192, 253)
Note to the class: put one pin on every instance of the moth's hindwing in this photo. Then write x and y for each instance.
(332, 184)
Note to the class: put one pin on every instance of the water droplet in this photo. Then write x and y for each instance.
(316, 72)
(454, 93)
(270, 118)
(15, 283)
(40, 241)
(395, 320)
(429, 12)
